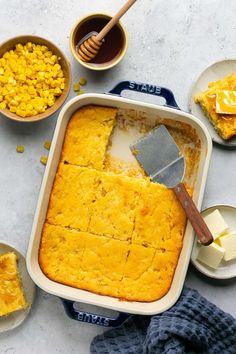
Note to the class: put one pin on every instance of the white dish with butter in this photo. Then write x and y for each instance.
(226, 269)
(14, 319)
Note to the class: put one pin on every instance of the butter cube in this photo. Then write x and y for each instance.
(211, 255)
(226, 102)
(228, 242)
(216, 224)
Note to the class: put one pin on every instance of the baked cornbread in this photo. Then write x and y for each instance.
(78, 253)
(127, 219)
(87, 136)
(106, 266)
(224, 124)
(150, 278)
(108, 233)
(72, 196)
(11, 292)
(113, 210)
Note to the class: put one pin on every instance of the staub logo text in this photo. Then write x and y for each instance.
(94, 319)
(152, 89)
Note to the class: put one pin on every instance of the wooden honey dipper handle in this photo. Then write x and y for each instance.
(114, 20)
(90, 46)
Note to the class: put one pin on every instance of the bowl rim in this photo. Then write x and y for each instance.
(53, 109)
(110, 64)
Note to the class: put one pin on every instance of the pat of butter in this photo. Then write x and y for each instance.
(216, 224)
(211, 255)
(226, 102)
(228, 242)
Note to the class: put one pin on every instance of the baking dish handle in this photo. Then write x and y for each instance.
(148, 89)
(92, 318)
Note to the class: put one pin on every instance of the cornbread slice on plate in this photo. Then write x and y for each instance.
(72, 195)
(11, 293)
(224, 124)
(87, 136)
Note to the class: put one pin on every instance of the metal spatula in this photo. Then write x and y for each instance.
(161, 159)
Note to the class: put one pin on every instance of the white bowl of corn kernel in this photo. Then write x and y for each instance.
(35, 78)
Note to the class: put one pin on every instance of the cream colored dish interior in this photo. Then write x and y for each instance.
(132, 125)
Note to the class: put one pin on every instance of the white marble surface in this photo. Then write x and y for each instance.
(169, 44)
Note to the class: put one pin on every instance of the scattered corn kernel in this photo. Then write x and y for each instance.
(20, 148)
(43, 160)
(76, 87)
(31, 79)
(47, 144)
(80, 92)
(82, 81)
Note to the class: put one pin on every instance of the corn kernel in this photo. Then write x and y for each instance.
(82, 81)
(57, 91)
(3, 105)
(76, 86)
(47, 144)
(80, 92)
(20, 148)
(43, 159)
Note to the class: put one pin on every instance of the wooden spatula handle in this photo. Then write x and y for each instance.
(115, 19)
(198, 224)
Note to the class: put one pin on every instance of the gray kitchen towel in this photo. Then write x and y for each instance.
(192, 325)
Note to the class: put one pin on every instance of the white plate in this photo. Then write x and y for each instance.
(16, 318)
(216, 71)
(226, 270)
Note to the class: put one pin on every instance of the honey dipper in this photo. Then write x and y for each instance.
(89, 45)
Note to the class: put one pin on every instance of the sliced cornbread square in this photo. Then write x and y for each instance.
(103, 264)
(11, 292)
(72, 196)
(152, 215)
(139, 260)
(113, 211)
(87, 136)
(61, 253)
(154, 282)
(178, 222)
(134, 269)
(224, 124)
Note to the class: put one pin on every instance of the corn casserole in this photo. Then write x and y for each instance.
(104, 232)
